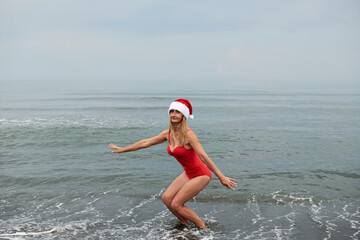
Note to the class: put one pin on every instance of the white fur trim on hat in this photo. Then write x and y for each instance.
(181, 108)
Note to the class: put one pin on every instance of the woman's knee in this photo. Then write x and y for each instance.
(166, 199)
(175, 205)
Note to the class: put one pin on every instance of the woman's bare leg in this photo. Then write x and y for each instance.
(190, 189)
(171, 192)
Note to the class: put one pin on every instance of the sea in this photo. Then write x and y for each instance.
(294, 154)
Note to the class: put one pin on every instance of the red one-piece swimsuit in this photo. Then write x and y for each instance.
(190, 161)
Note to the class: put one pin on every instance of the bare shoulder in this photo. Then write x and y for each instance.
(191, 136)
(164, 133)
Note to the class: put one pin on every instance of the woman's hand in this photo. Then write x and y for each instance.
(228, 182)
(118, 149)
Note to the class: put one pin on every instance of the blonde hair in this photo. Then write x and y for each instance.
(183, 129)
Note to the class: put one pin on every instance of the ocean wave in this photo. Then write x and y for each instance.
(110, 215)
(82, 108)
(139, 108)
(85, 122)
(355, 174)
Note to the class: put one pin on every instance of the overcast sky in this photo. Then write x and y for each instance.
(232, 43)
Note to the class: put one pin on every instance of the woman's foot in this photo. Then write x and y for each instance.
(203, 226)
(185, 222)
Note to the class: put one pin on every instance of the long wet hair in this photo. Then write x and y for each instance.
(183, 129)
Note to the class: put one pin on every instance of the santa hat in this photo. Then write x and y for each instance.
(183, 106)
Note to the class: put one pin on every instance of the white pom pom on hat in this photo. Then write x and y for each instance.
(183, 106)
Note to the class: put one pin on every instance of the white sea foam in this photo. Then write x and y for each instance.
(82, 122)
(142, 203)
(28, 233)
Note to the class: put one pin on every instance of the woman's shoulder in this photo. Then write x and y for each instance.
(191, 136)
(165, 133)
(190, 132)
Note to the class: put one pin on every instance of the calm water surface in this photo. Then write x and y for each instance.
(296, 158)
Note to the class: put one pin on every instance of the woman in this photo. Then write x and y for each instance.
(186, 148)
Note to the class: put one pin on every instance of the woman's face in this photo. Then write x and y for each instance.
(176, 116)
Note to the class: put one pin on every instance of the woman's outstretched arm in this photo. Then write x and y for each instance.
(145, 143)
(195, 144)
